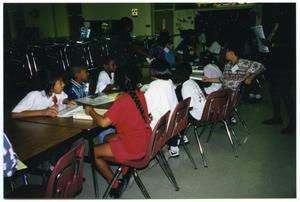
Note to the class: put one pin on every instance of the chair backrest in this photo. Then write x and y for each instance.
(216, 106)
(179, 118)
(67, 176)
(158, 135)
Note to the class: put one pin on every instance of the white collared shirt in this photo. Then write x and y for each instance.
(212, 71)
(160, 98)
(104, 80)
(191, 89)
(38, 100)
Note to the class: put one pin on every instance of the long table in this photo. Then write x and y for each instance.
(31, 139)
(86, 128)
(43, 133)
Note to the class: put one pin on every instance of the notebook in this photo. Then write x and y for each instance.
(82, 115)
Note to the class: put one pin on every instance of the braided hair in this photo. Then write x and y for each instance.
(126, 78)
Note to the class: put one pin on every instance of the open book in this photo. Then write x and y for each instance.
(68, 111)
(82, 115)
(103, 99)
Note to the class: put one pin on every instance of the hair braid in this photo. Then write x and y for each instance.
(138, 104)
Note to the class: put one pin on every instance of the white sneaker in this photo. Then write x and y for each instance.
(251, 95)
(185, 140)
(51, 167)
(258, 96)
(174, 152)
(233, 120)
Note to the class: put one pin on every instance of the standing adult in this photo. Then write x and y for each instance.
(282, 65)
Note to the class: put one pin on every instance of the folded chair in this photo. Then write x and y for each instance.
(65, 180)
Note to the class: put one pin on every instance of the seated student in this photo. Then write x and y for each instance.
(236, 70)
(189, 88)
(161, 96)
(45, 102)
(9, 158)
(105, 81)
(164, 50)
(211, 70)
(78, 87)
(129, 115)
(189, 47)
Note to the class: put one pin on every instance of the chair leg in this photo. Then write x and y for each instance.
(140, 184)
(230, 138)
(159, 160)
(186, 149)
(242, 120)
(93, 165)
(168, 169)
(199, 144)
(116, 176)
(233, 134)
(212, 127)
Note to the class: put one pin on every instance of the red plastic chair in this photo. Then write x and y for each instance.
(235, 102)
(65, 180)
(154, 146)
(215, 111)
(178, 123)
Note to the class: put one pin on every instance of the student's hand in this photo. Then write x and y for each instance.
(88, 109)
(72, 103)
(52, 112)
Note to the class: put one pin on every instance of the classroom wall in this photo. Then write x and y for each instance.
(105, 11)
(52, 19)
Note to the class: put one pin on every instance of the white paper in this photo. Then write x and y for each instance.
(259, 32)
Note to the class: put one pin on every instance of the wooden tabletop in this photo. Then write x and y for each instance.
(30, 139)
(62, 122)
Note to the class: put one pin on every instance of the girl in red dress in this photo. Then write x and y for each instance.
(129, 115)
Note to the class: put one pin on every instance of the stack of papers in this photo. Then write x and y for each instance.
(82, 115)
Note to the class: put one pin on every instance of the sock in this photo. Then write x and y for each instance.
(116, 184)
(125, 170)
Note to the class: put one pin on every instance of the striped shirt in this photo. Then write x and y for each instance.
(234, 75)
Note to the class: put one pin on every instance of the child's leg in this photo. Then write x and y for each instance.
(100, 151)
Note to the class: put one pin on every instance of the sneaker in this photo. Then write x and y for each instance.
(51, 167)
(185, 140)
(233, 120)
(251, 95)
(258, 96)
(117, 192)
(128, 178)
(174, 152)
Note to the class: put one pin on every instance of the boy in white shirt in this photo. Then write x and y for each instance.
(190, 88)
(105, 81)
(45, 102)
(161, 96)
